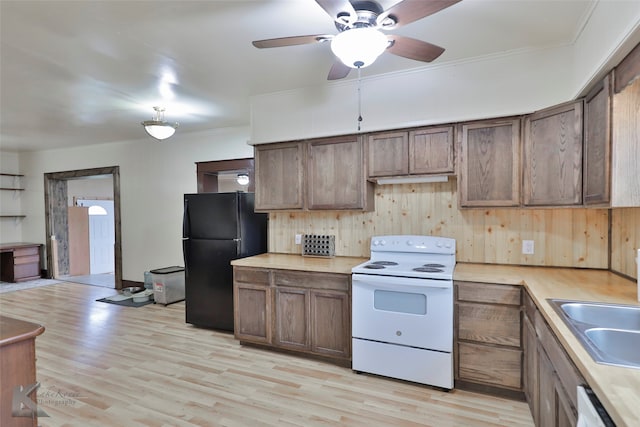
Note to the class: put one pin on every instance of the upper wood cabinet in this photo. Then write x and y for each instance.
(625, 139)
(279, 176)
(416, 152)
(552, 156)
(388, 154)
(336, 174)
(326, 173)
(597, 144)
(431, 150)
(488, 163)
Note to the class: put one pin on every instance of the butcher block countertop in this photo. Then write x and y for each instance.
(617, 388)
(339, 264)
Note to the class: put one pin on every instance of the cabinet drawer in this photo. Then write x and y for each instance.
(251, 275)
(490, 365)
(26, 270)
(19, 252)
(30, 259)
(300, 279)
(494, 324)
(490, 293)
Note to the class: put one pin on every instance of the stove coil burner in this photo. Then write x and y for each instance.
(374, 266)
(385, 263)
(433, 265)
(428, 270)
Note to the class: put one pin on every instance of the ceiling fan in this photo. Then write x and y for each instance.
(359, 40)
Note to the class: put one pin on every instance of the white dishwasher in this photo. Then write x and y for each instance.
(591, 413)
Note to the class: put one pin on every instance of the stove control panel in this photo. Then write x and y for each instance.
(426, 244)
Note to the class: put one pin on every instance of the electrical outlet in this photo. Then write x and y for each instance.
(527, 247)
(298, 239)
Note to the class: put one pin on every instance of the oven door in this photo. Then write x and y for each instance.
(405, 311)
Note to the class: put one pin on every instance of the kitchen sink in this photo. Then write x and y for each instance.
(609, 332)
(620, 344)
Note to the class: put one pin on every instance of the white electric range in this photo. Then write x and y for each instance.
(402, 309)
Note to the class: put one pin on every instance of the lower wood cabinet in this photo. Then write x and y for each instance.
(307, 312)
(19, 262)
(488, 347)
(252, 299)
(550, 378)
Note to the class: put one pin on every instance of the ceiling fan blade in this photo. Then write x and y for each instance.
(338, 71)
(291, 41)
(413, 49)
(408, 11)
(340, 11)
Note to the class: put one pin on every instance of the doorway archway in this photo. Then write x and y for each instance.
(56, 221)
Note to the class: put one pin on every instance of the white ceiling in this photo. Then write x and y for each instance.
(88, 72)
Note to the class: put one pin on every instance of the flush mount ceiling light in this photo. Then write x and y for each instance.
(157, 128)
(242, 179)
(359, 47)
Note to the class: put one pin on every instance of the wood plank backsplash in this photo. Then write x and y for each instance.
(625, 240)
(572, 237)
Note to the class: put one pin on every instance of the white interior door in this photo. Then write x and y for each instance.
(101, 235)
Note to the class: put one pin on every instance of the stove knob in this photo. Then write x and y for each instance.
(409, 243)
(376, 242)
(439, 244)
(383, 242)
(448, 245)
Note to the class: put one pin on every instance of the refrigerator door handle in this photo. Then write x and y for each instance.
(186, 226)
(186, 255)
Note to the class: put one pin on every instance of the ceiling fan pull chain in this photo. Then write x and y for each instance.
(359, 101)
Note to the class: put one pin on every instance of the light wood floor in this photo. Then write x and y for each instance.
(106, 365)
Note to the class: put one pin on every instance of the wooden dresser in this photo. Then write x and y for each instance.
(17, 367)
(20, 261)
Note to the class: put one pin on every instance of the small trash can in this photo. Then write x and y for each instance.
(168, 284)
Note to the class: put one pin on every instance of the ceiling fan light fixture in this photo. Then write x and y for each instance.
(359, 47)
(157, 128)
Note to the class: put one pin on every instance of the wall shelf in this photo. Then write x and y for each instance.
(16, 186)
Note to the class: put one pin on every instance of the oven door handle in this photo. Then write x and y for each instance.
(366, 279)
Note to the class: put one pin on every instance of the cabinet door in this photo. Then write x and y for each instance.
(252, 305)
(489, 173)
(279, 176)
(553, 156)
(388, 154)
(336, 178)
(252, 313)
(331, 323)
(431, 150)
(530, 360)
(597, 144)
(546, 382)
(292, 318)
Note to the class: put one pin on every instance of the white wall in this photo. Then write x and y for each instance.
(89, 188)
(153, 178)
(10, 201)
(499, 85)
(612, 31)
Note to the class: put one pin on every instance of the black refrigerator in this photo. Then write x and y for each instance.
(217, 228)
